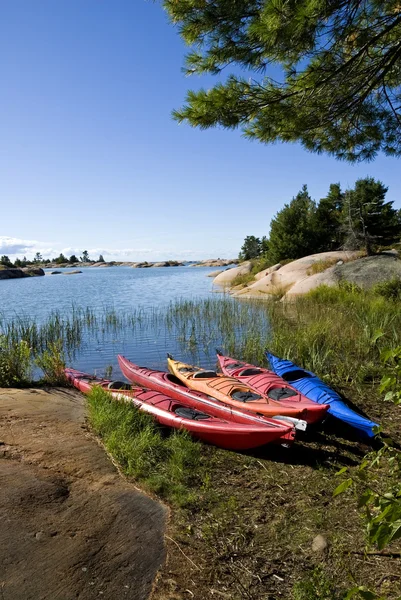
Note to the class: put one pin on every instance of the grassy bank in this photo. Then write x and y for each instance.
(244, 525)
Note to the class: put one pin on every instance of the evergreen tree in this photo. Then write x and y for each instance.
(60, 259)
(340, 61)
(293, 231)
(100, 259)
(73, 259)
(329, 217)
(251, 248)
(85, 256)
(367, 219)
(4, 260)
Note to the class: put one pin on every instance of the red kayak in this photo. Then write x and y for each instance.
(209, 426)
(168, 384)
(271, 385)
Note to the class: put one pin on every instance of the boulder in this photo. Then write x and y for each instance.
(307, 284)
(55, 273)
(214, 273)
(14, 273)
(229, 275)
(294, 272)
(370, 270)
(72, 272)
(267, 271)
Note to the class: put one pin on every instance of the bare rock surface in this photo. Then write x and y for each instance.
(216, 262)
(267, 271)
(15, 273)
(229, 275)
(293, 273)
(307, 284)
(70, 525)
(370, 270)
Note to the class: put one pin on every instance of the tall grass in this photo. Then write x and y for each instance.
(336, 332)
(169, 465)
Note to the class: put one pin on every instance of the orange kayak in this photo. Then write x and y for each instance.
(234, 393)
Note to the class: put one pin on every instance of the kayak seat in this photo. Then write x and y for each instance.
(205, 375)
(294, 375)
(191, 413)
(250, 371)
(119, 385)
(245, 396)
(235, 365)
(280, 393)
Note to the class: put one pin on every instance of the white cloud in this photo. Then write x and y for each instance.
(17, 248)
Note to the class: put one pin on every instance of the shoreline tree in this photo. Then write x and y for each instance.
(359, 218)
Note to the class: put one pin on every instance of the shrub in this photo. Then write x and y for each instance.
(389, 289)
(52, 363)
(15, 362)
(321, 265)
(315, 586)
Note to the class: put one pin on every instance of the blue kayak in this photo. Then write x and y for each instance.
(315, 389)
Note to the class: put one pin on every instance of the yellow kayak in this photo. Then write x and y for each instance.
(231, 391)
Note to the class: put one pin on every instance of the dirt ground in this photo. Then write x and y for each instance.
(70, 525)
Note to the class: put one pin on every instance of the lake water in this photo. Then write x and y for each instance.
(122, 289)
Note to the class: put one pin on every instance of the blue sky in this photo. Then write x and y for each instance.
(91, 159)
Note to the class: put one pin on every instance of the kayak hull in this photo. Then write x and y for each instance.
(232, 392)
(212, 429)
(167, 384)
(268, 383)
(315, 389)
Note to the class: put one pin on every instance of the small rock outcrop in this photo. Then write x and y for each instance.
(216, 262)
(227, 277)
(14, 273)
(370, 270)
(299, 276)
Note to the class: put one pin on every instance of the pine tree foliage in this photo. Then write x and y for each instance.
(251, 248)
(292, 230)
(339, 88)
(367, 218)
(359, 218)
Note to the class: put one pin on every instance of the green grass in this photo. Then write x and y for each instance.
(257, 265)
(316, 585)
(321, 265)
(169, 465)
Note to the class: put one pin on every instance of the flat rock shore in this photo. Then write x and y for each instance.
(70, 525)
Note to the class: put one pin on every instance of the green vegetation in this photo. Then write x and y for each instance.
(315, 586)
(258, 513)
(253, 247)
(52, 363)
(338, 80)
(389, 289)
(321, 265)
(15, 362)
(85, 256)
(358, 218)
(168, 465)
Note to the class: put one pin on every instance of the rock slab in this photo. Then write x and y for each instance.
(70, 525)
